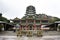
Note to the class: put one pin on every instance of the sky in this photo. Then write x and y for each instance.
(17, 8)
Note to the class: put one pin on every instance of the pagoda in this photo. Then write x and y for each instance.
(33, 21)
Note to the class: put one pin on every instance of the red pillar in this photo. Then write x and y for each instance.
(40, 26)
(20, 27)
(26, 25)
(34, 24)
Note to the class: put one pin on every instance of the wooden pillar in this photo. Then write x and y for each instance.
(40, 24)
(34, 24)
(5, 27)
(20, 25)
(56, 25)
(26, 25)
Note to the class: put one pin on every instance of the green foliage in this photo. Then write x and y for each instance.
(0, 15)
(54, 19)
(4, 19)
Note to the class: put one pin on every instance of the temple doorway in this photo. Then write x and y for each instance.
(30, 27)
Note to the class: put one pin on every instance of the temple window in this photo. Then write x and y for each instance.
(23, 21)
(37, 21)
(44, 21)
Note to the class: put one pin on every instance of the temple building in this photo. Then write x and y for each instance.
(33, 21)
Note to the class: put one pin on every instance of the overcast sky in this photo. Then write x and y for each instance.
(17, 8)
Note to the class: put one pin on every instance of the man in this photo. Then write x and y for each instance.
(14, 29)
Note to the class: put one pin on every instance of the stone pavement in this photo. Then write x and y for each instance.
(29, 38)
(40, 38)
(7, 33)
(47, 35)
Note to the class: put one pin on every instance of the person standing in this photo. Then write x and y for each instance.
(14, 28)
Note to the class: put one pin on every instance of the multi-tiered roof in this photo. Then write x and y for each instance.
(31, 14)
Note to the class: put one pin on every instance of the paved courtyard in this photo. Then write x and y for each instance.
(29, 38)
(7, 33)
(45, 33)
(48, 35)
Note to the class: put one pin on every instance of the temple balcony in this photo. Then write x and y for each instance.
(38, 18)
(23, 23)
(45, 23)
(30, 23)
(30, 18)
(37, 23)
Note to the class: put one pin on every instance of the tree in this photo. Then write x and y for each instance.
(3, 19)
(53, 19)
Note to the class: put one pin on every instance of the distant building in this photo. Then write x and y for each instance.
(15, 21)
(33, 21)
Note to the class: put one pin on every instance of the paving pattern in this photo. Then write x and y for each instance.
(49, 35)
(29, 38)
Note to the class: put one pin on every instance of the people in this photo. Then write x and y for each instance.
(14, 28)
(3, 29)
